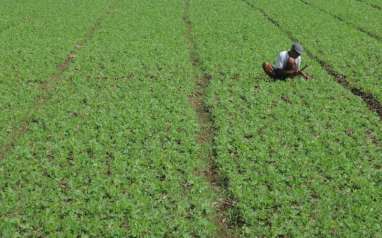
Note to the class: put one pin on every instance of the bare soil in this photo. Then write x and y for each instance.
(207, 131)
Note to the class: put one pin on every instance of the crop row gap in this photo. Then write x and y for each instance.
(368, 98)
(375, 6)
(358, 28)
(49, 85)
(207, 132)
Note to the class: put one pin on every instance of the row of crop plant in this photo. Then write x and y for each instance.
(357, 14)
(42, 35)
(348, 50)
(113, 151)
(376, 4)
(300, 158)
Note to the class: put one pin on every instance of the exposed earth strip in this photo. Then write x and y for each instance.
(368, 98)
(49, 85)
(206, 133)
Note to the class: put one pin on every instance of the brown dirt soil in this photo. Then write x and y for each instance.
(207, 132)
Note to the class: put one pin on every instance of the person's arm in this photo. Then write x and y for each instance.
(294, 69)
(292, 72)
(303, 74)
(289, 73)
(282, 73)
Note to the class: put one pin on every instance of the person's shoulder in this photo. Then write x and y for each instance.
(283, 53)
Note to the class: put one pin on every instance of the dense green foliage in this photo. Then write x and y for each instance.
(359, 14)
(295, 153)
(112, 151)
(36, 38)
(350, 51)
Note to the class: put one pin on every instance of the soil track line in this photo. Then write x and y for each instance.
(206, 134)
(368, 98)
(47, 86)
(360, 29)
(371, 5)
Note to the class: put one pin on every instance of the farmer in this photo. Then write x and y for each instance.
(287, 65)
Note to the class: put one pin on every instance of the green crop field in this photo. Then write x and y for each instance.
(127, 118)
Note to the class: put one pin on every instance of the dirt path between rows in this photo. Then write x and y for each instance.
(358, 28)
(371, 100)
(206, 134)
(49, 85)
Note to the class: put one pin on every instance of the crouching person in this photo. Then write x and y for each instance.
(288, 64)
